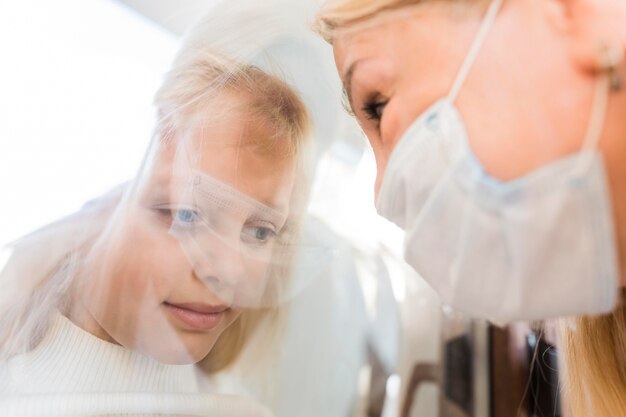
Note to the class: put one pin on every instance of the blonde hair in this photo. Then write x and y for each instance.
(192, 86)
(338, 15)
(594, 358)
(594, 348)
(41, 269)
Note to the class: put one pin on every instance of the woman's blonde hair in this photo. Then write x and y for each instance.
(594, 363)
(594, 348)
(338, 15)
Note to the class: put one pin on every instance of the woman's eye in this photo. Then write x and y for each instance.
(258, 234)
(374, 109)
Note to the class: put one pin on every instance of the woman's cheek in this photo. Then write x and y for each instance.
(390, 126)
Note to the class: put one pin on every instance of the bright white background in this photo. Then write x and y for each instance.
(76, 83)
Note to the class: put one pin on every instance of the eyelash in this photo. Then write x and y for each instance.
(167, 214)
(371, 109)
(163, 212)
(253, 238)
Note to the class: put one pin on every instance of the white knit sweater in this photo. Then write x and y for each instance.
(72, 373)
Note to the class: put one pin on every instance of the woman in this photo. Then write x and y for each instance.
(498, 133)
(115, 309)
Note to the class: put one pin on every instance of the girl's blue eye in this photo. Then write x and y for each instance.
(259, 235)
(262, 233)
(185, 216)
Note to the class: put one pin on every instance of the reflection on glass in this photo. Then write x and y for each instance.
(129, 305)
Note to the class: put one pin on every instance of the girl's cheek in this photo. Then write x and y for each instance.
(137, 262)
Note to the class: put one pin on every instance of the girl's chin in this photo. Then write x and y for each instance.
(191, 349)
(178, 357)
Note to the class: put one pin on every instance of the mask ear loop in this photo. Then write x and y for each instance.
(466, 66)
(607, 81)
(485, 26)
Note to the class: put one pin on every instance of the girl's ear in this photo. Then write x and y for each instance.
(593, 30)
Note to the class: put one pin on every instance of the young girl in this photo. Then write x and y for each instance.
(114, 310)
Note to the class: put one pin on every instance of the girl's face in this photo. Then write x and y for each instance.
(182, 268)
(527, 99)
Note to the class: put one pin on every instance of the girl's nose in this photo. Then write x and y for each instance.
(219, 263)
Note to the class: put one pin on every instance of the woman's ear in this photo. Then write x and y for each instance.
(593, 30)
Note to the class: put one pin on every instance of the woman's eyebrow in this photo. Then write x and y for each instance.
(347, 81)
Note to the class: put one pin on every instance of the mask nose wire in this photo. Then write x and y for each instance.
(485, 26)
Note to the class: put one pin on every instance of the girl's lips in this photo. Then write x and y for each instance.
(197, 316)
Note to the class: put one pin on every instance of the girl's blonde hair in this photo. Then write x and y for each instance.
(594, 348)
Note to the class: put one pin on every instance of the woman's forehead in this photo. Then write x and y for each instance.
(386, 43)
(381, 34)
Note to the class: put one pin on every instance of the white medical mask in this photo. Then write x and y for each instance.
(536, 247)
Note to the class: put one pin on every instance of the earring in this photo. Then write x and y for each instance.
(611, 58)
